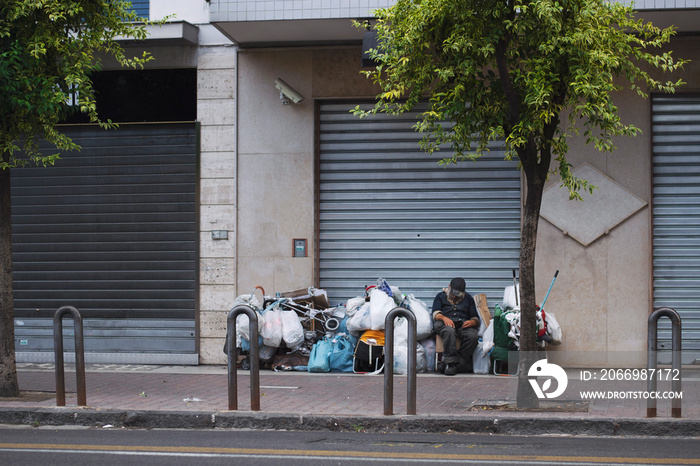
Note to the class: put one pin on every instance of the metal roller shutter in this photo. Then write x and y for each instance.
(111, 230)
(387, 209)
(676, 162)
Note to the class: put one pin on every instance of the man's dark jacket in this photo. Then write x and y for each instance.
(460, 312)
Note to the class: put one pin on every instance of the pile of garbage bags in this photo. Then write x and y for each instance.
(300, 331)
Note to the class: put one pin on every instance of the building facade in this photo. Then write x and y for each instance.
(290, 195)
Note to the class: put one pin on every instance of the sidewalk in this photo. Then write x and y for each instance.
(197, 397)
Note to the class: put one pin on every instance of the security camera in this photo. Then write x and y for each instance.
(287, 93)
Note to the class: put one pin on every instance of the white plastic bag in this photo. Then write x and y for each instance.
(553, 328)
(339, 312)
(249, 300)
(242, 321)
(400, 346)
(360, 321)
(401, 350)
(488, 339)
(292, 330)
(353, 305)
(272, 328)
(509, 298)
(513, 318)
(424, 322)
(243, 328)
(482, 327)
(481, 359)
(428, 345)
(380, 304)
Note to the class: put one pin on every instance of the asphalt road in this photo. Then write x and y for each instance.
(112, 446)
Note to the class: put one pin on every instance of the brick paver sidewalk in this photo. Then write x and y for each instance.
(205, 389)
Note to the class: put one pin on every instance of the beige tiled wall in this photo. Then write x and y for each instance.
(216, 110)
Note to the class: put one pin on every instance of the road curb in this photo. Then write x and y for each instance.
(521, 425)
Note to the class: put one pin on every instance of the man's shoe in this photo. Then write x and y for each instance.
(450, 369)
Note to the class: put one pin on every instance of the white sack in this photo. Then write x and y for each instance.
(509, 298)
(482, 326)
(353, 305)
(553, 328)
(488, 339)
(401, 350)
(292, 330)
(272, 328)
(428, 345)
(249, 300)
(424, 322)
(339, 312)
(243, 328)
(359, 321)
(396, 294)
(513, 318)
(482, 361)
(242, 320)
(380, 304)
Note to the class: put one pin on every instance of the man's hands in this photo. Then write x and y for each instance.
(450, 323)
(470, 323)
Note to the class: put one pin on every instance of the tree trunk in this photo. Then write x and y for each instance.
(526, 397)
(9, 387)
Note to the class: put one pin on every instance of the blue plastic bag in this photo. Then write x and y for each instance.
(341, 354)
(319, 359)
(245, 344)
(384, 286)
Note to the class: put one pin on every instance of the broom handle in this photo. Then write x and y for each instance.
(550, 289)
(515, 288)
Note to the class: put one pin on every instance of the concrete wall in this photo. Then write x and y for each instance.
(257, 183)
(261, 189)
(604, 293)
(275, 161)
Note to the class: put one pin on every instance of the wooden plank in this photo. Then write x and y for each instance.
(483, 308)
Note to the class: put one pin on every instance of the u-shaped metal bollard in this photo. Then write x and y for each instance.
(389, 361)
(676, 384)
(79, 355)
(232, 352)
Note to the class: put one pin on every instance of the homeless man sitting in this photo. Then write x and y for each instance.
(455, 316)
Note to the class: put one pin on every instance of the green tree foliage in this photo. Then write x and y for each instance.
(530, 73)
(48, 50)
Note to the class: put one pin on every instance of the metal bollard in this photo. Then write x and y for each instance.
(232, 351)
(676, 384)
(389, 361)
(79, 355)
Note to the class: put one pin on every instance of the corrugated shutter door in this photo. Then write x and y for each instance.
(676, 160)
(112, 231)
(387, 209)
